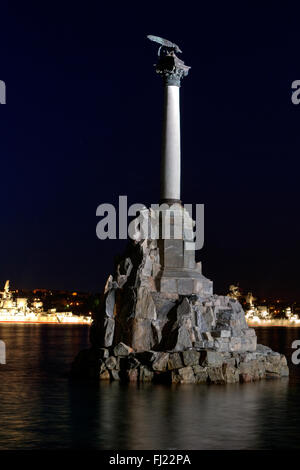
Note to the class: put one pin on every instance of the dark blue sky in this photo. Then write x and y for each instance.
(82, 126)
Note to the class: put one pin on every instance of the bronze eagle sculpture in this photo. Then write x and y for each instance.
(164, 43)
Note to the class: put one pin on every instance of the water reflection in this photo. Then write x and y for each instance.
(41, 408)
(178, 417)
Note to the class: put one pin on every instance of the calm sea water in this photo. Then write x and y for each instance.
(40, 408)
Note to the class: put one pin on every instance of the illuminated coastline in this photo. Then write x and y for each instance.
(256, 322)
(17, 310)
(263, 315)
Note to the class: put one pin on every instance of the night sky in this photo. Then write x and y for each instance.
(82, 125)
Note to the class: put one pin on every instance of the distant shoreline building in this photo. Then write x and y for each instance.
(18, 310)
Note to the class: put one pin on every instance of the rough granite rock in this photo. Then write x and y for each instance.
(122, 349)
(105, 375)
(103, 353)
(115, 375)
(111, 362)
(191, 357)
(155, 325)
(160, 362)
(201, 374)
(186, 375)
(213, 367)
(175, 361)
(216, 375)
(230, 373)
(146, 375)
(211, 358)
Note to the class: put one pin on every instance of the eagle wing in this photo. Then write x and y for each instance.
(164, 42)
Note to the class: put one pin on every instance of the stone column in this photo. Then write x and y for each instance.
(172, 70)
(170, 159)
(178, 273)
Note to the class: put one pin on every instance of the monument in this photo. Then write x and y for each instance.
(179, 273)
(159, 319)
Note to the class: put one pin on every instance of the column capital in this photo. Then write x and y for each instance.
(171, 69)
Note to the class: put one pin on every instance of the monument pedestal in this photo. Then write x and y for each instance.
(172, 228)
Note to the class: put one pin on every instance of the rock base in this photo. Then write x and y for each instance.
(152, 326)
(189, 366)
